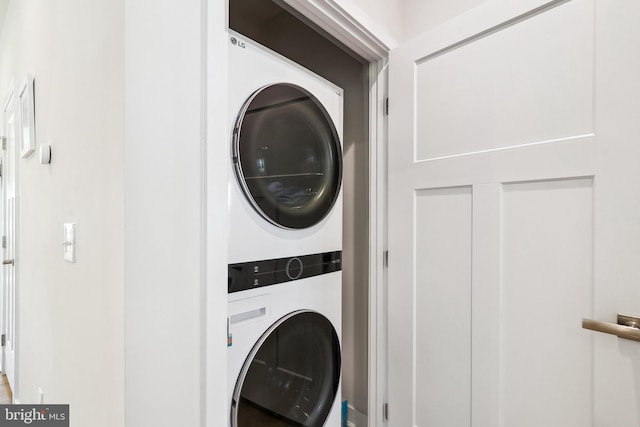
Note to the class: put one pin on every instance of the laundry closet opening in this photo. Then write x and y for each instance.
(286, 32)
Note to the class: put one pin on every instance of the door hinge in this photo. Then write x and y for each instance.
(385, 258)
(4, 242)
(3, 139)
(386, 106)
(385, 412)
(4, 340)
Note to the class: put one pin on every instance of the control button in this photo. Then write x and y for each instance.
(294, 268)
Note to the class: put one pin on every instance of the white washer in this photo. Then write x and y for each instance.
(285, 195)
(284, 362)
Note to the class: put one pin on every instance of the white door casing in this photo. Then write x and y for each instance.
(514, 212)
(11, 126)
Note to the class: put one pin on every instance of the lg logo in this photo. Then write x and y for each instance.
(236, 42)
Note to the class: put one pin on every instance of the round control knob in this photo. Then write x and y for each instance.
(294, 268)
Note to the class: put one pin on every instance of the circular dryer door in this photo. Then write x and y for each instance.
(291, 375)
(287, 156)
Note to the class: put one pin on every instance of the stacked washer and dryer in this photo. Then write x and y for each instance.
(285, 242)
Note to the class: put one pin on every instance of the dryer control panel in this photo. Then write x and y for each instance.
(254, 274)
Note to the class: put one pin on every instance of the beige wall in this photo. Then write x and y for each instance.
(70, 315)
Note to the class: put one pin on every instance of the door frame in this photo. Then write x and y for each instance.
(10, 103)
(347, 29)
(8, 100)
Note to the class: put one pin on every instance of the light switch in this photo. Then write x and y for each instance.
(69, 242)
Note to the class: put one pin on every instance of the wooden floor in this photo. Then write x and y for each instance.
(6, 397)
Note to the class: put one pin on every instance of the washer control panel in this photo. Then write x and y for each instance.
(254, 274)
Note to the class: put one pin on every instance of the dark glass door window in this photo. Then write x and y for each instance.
(287, 156)
(291, 376)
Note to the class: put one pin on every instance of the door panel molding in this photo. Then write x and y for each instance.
(493, 93)
(442, 288)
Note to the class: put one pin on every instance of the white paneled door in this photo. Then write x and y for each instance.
(514, 194)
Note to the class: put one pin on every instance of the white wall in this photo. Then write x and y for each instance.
(217, 157)
(165, 196)
(384, 18)
(422, 15)
(3, 11)
(395, 21)
(176, 165)
(70, 330)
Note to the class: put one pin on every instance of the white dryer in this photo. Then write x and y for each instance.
(285, 242)
(285, 194)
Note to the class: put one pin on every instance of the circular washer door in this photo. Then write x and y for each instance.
(291, 375)
(287, 156)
